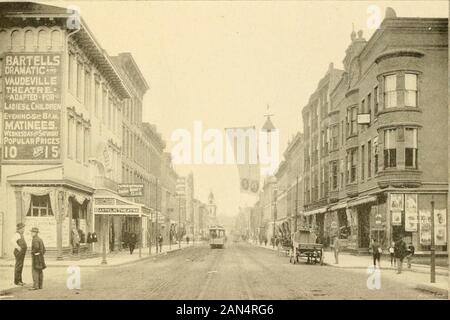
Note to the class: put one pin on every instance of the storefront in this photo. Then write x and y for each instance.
(410, 218)
(116, 219)
(56, 210)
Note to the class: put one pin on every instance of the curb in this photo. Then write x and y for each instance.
(440, 273)
(99, 265)
(432, 289)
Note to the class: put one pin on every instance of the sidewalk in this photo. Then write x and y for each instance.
(418, 276)
(113, 259)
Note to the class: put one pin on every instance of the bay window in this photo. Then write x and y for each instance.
(390, 148)
(411, 147)
(390, 91)
(410, 90)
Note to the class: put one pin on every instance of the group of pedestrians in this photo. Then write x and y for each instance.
(398, 251)
(37, 256)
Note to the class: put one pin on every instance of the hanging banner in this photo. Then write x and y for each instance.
(243, 142)
(411, 212)
(32, 107)
(440, 227)
(425, 227)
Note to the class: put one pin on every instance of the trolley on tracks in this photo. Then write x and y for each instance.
(217, 237)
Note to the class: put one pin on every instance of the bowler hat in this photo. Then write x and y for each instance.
(35, 230)
(20, 226)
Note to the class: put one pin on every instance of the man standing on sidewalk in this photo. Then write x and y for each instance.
(37, 259)
(20, 249)
(400, 253)
(336, 248)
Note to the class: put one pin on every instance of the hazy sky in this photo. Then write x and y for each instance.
(223, 62)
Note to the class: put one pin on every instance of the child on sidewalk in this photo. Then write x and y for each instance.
(391, 253)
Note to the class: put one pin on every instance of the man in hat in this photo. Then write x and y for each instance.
(20, 249)
(37, 259)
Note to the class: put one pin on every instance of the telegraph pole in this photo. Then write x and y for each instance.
(179, 222)
(432, 247)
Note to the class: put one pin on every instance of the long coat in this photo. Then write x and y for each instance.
(37, 246)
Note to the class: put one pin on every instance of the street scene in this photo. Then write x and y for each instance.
(189, 150)
(241, 271)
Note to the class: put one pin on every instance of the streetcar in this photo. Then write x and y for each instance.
(217, 237)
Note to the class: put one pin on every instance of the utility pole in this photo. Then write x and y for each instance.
(179, 222)
(432, 247)
(156, 210)
(296, 205)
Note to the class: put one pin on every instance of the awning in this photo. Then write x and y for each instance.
(108, 203)
(337, 206)
(362, 200)
(316, 211)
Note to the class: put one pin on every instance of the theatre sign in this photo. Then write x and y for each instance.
(32, 107)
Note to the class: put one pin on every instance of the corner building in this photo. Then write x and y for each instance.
(373, 161)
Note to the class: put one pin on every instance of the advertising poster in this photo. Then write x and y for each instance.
(411, 212)
(32, 107)
(396, 206)
(396, 218)
(440, 227)
(47, 229)
(425, 227)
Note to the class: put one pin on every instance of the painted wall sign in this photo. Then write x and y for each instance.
(32, 107)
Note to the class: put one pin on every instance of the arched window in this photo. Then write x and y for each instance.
(43, 40)
(29, 40)
(56, 39)
(17, 40)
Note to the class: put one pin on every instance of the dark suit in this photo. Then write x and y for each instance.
(38, 261)
(20, 257)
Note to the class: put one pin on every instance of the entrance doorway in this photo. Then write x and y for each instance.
(364, 226)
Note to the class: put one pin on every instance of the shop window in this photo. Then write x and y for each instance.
(70, 75)
(70, 136)
(334, 144)
(87, 89)
(410, 90)
(390, 91)
(411, 147)
(390, 148)
(40, 206)
(96, 97)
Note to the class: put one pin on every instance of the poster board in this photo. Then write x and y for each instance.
(47, 230)
(440, 227)
(425, 227)
(411, 220)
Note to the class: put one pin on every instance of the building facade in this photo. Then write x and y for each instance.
(370, 168)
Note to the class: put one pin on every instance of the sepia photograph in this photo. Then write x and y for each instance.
(218, 151)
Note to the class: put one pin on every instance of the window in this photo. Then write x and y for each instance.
(334, 144)
(352, 114)
(334, 175)
(375, 156)
(410, 90)
(341, 171)
(79, 74)
(390, 145)
(86, 148)
(70, 71)
(369, 159)
(97, 97)
(70, 136)
(353, 164)
(375, 102)
(411, 147)
(390, 91)
(87, 89)
(104, 106)
(40, 206)
(363, 161)
(369, 106)
(79, 142)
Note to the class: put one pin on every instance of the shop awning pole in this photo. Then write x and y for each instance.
(141, 242)
(105, 224)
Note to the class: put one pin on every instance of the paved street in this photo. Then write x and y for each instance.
(240, 271)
